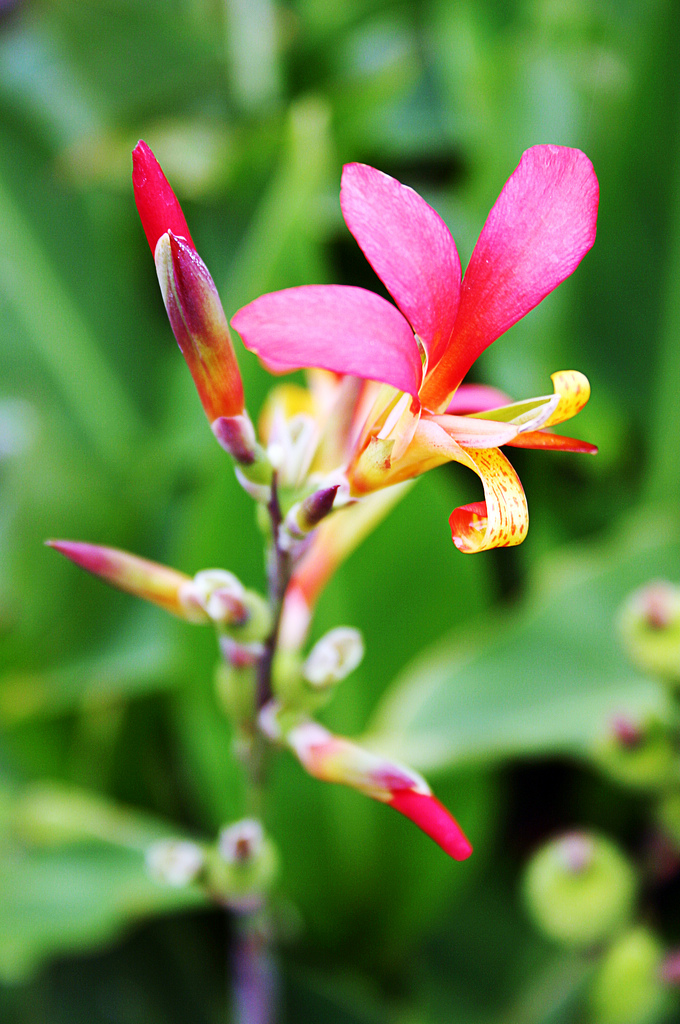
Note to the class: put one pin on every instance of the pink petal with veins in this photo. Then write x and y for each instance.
(409, 247)
(427, 813)
(333, 327)
(159, 210)
(538, 231)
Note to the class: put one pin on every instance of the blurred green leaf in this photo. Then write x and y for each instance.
(546, 679)
(73, 876)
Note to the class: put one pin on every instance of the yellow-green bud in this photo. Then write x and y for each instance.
(241, 868)
(641, 756)
(579, 889)
(650, 627)
(627, 988)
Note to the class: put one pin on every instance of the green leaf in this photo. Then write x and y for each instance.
(548, 678)
(73, 875)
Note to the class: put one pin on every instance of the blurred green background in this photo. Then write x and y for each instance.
(252, 107)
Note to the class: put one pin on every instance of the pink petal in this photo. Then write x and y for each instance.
(344, 329)
(432, 817)
(471, 398)
(541, 226)
(159, 210)
(409, 247)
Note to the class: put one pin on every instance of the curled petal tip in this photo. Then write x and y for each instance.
(425, 811)
(157, 204)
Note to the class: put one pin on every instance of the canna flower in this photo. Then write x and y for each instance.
(413, 412)
(336, 759)
(191, 300)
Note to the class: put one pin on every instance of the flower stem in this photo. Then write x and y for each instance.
(253, 974)
(278, 572)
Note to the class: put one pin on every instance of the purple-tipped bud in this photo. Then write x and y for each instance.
(236, 434)
(159, 584)
(200, 326)
(306, 515)
(626, 732)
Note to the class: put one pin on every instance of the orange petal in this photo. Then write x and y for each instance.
(500, 521)
(574, 391)
(553, 442)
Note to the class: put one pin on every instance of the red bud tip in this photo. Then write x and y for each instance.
(150, 581)
(428, 814)
(157, 204)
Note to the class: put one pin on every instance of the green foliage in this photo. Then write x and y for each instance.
(252, 109)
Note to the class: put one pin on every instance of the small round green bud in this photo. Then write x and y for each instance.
(627, 988)
(650, 627)
(640, 756)
(579, 889)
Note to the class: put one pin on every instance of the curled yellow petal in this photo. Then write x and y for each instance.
(574, 391)
(502, 520)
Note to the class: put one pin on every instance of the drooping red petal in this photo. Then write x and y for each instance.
(552, 442)
(409, 247)
(471, 398)
(333, 327)
(427, 813)
(159, 210)
(539, 229)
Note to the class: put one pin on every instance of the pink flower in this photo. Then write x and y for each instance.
(538, 231)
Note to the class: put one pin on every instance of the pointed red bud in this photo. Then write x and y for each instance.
(159, 210)
(336, 759)
(200, 326)
(156, 583)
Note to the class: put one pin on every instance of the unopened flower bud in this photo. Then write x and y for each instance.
(308, 513)
(191, 300)
(200, 326)
(221, 594)
(236, 434)
(579, 889)
(650, 626)
(241, 868)
(628, 986)
(642, 756)
(333, 657)
(241, 842)
(175, 861)
(165, 587)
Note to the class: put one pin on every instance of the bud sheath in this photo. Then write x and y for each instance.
(199, 325)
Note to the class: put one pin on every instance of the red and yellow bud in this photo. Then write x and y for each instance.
(156, 583)
(336, 759)
(200, 326)
(191, 299)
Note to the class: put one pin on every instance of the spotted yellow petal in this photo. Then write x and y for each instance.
(502, 520)
(574, 391)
